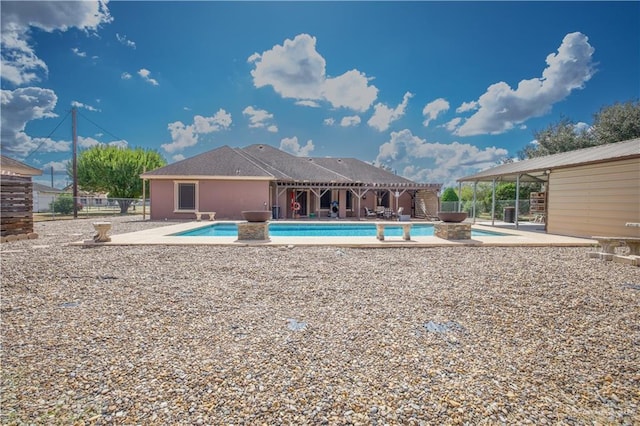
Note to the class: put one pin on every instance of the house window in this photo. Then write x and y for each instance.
(186, 196)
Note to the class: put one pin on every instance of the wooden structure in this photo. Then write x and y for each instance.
(16, 197)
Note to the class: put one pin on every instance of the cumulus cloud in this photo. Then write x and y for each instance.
(184, 136)
(296, 70)
(422, 161)
(501, 108)
(125, 76)
(20, 106)
(259, 118)
(84, 106)
(467, 106)
(433, 109)
(383, 116)
(329, 121)
(20, 64)
(350, 121)
(178, 157)
(452, 124)
(292, 146)
(146, 76)
(125, 41)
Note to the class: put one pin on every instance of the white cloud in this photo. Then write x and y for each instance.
(433, 109)
(84, 106)
(258, 118)
(501, 108)
(146, 76)
(329, 121)
(272, 128)
(20, 106)
(435, 162)
(125, 41)
(184, 136)
(77, 52)
(307, 103)
(296, 70)
(178, 157)
(292, 146)
(452, 124)
(125, 76)
(58, 167)
(20, 64)
(89, 142)
(383, 116)
(467, 106)
(349, 121)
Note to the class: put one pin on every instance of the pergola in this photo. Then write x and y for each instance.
(358, 189)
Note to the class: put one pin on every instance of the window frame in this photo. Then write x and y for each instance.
(176, 196)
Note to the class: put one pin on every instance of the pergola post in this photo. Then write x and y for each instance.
(493, 203)
(517, 199)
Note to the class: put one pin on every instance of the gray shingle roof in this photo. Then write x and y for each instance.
(44, 188)
(537, 166)
(265, 161)
(223, 161)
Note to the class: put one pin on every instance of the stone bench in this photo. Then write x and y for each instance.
(212, 215)
(608, 246)
(101, 228)
(406, 230)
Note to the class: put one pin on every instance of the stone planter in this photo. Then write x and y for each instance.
(454, 217)
(256, 215)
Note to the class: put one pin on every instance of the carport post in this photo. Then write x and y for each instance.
(475, 190)
(517, 198)
(493, 203)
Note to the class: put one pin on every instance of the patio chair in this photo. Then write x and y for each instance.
(370, 213)
(388, 213)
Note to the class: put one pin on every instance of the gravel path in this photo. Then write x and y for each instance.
(266, 335)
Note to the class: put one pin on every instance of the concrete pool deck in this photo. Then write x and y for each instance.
(514, 237)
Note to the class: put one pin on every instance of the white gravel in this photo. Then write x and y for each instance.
(313, 335)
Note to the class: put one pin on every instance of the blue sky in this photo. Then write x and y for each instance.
(433, 90)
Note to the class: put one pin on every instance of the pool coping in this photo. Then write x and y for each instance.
(514, 237)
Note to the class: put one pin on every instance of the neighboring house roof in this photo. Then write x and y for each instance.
(265, 161)
(537, 168)
(44, 188)
(9, 166)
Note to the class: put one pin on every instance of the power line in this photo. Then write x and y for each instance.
(100, 127)
(48, 136)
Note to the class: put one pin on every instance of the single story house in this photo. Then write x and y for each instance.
(587, 192)
(44, 196)
(16, 192)
(260, 177)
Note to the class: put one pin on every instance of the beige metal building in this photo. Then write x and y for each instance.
(589, 192)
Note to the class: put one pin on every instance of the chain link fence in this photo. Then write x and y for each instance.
(61, 206)
(504, 209)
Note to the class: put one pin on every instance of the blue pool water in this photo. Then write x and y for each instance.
(321, 230)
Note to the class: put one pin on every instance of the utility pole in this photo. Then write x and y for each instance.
(75, 161)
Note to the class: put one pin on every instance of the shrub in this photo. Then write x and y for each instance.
(62, 204)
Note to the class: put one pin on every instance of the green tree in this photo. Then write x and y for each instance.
(618, 122)
(116, 171)
(565, 135)
(449, 199)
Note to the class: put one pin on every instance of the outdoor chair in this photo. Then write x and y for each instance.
(370, 213)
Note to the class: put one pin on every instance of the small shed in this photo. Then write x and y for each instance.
(16, 194)
(591, 191)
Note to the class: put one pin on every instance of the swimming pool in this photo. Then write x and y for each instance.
(230, 229)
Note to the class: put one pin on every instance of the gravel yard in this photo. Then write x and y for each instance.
(314, 335)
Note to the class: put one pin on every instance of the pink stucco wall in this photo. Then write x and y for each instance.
(227, 198)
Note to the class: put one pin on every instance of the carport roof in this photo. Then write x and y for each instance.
(537, 169)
